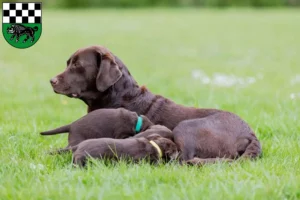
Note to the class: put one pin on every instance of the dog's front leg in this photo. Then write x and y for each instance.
(17, 40)
(12, 37)
(25, 40)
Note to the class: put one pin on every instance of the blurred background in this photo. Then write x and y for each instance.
(158, 3)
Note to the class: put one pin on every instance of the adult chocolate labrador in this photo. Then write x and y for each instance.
(101, 80)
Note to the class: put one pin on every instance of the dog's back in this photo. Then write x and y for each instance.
(220, 135)
(108, 148)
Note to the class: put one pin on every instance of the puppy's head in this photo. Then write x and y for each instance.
(89, 70)
(157, 129)
(162, 131)
(168, 148)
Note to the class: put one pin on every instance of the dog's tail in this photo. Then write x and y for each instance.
(35, 28)
(253, 150)
(62, 129)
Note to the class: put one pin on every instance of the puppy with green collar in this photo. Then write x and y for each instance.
(102, 123)
(151, 148)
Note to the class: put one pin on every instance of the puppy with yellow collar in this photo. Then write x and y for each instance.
(151, 148)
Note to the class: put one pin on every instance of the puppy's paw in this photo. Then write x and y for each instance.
(195, 161)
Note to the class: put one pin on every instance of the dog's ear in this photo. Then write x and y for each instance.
(109, 72)
(153, 136)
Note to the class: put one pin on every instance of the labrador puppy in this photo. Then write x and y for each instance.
(153, 147)
(101, 80)
(201, 143)
(103, 123)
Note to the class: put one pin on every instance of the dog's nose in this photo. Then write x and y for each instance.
(54, 81)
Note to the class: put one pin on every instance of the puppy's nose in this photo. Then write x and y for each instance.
(54, 81)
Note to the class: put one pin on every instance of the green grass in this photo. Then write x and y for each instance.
(161, 48)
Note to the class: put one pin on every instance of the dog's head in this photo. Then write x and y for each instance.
(168, 148)
(11, 29)
(89, 70)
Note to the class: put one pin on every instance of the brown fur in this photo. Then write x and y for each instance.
(102, 123)
(123, 91)
(156, 129)
(133, 149)
(210, 140)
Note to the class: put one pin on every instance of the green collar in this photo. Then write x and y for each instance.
(139, 124)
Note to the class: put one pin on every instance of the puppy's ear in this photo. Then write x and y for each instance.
(109, 72)
(153, 136)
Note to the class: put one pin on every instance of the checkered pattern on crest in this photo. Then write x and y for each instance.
(22, 13)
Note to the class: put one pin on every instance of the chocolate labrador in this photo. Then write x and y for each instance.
(213, 143)
(103, 123)
(153, 147)
(101, 80)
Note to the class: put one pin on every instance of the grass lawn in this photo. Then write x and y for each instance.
(244, 61)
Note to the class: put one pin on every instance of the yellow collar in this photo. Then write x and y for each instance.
(157, 148)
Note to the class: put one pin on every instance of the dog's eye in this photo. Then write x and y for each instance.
(71, 67)
(77, 65)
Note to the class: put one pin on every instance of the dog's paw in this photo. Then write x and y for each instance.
(194, 162)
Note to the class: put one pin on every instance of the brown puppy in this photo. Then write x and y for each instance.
(103, 123)
(152, 147)
(199, 142)
(101, 80)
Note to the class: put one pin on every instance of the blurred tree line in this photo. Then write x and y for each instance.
(165, 3)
